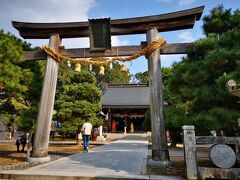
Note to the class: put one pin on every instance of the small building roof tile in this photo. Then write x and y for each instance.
(126, 96)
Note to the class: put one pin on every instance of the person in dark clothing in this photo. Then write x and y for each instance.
(18, 142)
(21, 141)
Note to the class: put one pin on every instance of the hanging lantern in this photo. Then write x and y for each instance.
(101, 71)
(123, 68)
(90, 67)
(69, 64)
(78, 67)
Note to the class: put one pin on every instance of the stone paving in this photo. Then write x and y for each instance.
(118, 158)
(122, 159)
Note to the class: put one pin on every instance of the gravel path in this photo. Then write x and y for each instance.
(25, 165)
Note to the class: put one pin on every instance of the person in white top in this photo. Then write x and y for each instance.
(86, 132)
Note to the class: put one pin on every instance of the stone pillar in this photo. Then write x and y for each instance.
(100, 137)
(159, 142)
(42, 133)
(100, 131)
(125, 124)
(189, 142)
(109, 122)
(132, 127)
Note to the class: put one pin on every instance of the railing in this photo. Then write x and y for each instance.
(221, 154)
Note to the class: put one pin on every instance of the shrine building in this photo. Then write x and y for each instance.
(125, 106)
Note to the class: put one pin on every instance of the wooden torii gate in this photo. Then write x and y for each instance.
(151, 25)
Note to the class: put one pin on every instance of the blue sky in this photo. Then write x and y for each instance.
(81, 10)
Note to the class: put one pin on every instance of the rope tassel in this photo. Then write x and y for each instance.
(123, 68)
(77, 67)
(101, 71)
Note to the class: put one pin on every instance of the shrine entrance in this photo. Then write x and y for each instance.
(126, 120)
(101, 47)
(126, 105)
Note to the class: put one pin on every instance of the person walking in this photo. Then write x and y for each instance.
(86, 132)
(18, 142)
(23, 142)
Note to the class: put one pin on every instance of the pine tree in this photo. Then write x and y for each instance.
(78, 99)
(199, 81)
(19, 82)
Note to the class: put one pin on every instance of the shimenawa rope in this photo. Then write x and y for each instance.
(146, 51)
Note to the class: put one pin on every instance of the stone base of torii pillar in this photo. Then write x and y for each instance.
(38, 159)
(160, 164)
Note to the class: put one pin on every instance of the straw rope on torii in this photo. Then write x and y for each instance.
(146, 51)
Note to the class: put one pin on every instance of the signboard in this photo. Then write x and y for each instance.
(100, 34)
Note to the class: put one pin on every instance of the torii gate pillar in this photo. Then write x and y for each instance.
(160, 154)
(42, 133)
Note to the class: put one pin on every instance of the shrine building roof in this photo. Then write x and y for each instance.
(126, 96)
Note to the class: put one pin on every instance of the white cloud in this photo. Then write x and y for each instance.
(185, 36)
(76, 43)
(85, 42)
(116, 41)
(186, 2)
(50, 11)
(45, 11)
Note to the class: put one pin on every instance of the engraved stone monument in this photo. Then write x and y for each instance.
(222, 156)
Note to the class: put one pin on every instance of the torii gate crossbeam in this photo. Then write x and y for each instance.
(150, 25)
